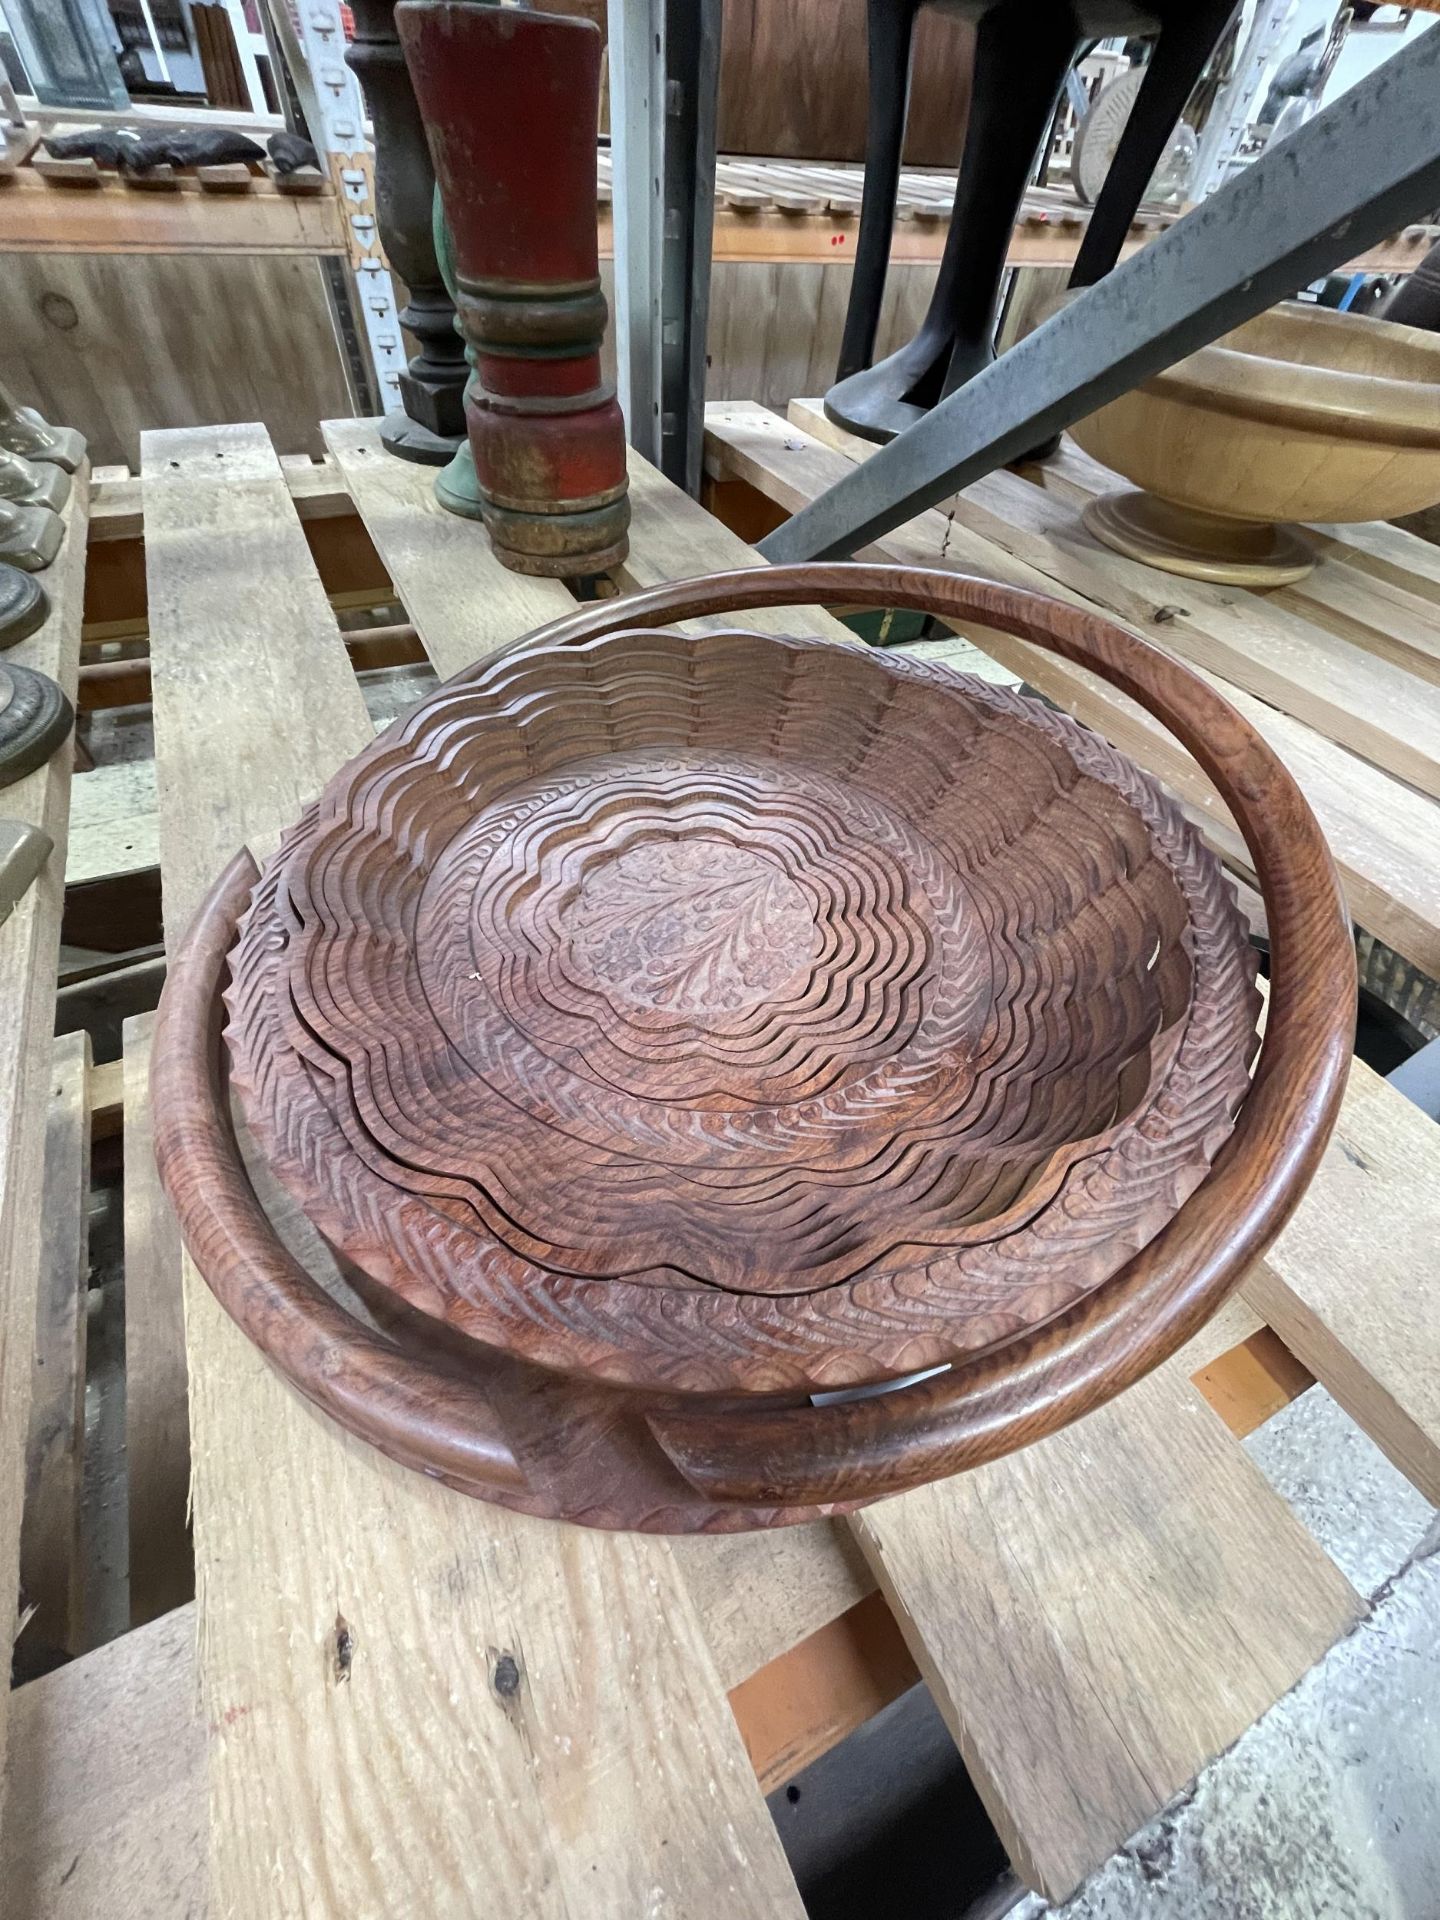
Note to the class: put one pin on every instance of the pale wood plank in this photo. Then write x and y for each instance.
(106, 1808)
(1100, 1613)
(613, 1778)
(672, 537)
(463, 603)
(1353, 1284)
(117, 512)
(1385, 837)
(1390, 621)
(1342, 689)
(51, 1575)
(157, 1426)
(759, 1594)
(114, 827)
(1235, 1323)
(29, 944)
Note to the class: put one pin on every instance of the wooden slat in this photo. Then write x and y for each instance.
(930, 1548)
(29, 944)
(1100, 1613)
(117, 510)
(1353, 1284)
(759, 1594)
(1394, 623)
(106, 1809)
(463, 603)
(50, 1562)
(108, 1754)
(1336, 685)
(755, 1597)
(351, 1613)
(1385, 837)
(672, 537)
(157, 1427)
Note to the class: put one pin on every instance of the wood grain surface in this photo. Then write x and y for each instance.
(157, 1428)
(1044, 1622)
(116, 345)
(29, 947)
(106, 1805)
(1353, 1284)
(463, 603)
(51, 1564)
(382, 1645)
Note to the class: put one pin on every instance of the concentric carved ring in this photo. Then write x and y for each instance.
(664, 1028)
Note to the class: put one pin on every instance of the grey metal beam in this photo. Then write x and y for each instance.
(1360, 169)
(664, 78)
(637, 126)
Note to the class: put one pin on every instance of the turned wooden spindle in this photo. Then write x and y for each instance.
(431, 424)
(510, 100)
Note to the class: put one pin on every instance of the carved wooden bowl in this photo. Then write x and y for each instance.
(665, 1029)
(1301, 414)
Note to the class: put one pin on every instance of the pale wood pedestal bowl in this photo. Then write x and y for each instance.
(1303, 414)
(662, 1030)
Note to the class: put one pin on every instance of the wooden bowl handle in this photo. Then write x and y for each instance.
(861, 1449)
(437, 1422)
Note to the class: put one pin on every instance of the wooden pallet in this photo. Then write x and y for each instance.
(1096, 1617)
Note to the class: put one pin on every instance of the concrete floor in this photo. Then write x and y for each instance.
(1327, 1809)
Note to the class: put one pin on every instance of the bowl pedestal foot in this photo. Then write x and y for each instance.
(1199, 545)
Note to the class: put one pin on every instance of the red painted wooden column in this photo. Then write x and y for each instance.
(510, 101)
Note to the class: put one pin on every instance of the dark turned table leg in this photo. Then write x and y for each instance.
(432, 423)
(1022, 53)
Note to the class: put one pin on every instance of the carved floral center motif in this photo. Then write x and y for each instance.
(693, 927)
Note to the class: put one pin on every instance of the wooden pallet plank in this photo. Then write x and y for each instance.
(29, 946)
(1100, 1614)
(353, 1615)
(1376, 584)
(117, 511)
(43, 218)
(109, 1754)
(1064, 1801)
(157, 1423)
(1347, 693)
(50, 1562)
(463, 603)
(1392, 622)
(1353, 1284)
(106, 1808)
(760, 1594)
(1385, 837)
(672, 537)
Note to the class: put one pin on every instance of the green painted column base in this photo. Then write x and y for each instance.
(456, 487)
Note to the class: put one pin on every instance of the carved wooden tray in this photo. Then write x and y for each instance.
(663, 1029)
